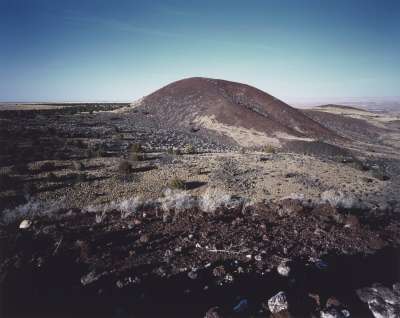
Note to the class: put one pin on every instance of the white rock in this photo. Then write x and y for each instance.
(334, 313)
(25, 224)
(381, 309)
(278, 302)
(283, 269)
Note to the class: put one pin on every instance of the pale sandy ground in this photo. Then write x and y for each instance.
(255, 180)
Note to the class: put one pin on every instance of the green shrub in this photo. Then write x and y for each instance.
(176, 183)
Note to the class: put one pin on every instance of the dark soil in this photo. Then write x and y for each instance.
(154, 264)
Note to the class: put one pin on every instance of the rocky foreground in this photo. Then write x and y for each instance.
(190, 257)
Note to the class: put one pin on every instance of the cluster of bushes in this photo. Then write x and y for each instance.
(189, 149)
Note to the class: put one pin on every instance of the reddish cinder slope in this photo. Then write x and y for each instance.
(229, 103)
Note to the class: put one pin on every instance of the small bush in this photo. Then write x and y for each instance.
(135, 152)
(212, 199)
(134, 156)
(125, 167)
(340, 200)
(135, 148)
(189, 149)
(176, 183)
(177, 200)
(174, 151)
(99, 153)
(268, 149)
(31, 209)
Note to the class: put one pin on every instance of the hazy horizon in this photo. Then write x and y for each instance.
(121, 51)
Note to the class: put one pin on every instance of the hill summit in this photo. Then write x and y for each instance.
(242, 112)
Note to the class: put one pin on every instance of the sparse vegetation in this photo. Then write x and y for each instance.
(177, 183)
(135, 148)
(134, 156)
(268, 149)
(189, 149)
(174, 151)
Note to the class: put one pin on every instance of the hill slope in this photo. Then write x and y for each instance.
(244, 113)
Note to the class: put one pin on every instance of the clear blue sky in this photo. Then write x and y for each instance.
(121, 50)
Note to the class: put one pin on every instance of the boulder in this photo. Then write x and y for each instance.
(278, 303)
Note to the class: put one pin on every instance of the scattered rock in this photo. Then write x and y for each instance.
(381, 309)
(382, 301)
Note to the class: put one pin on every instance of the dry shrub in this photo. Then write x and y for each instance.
(125, 167)
(176, 183)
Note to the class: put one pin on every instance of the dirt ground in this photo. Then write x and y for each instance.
(312, 219)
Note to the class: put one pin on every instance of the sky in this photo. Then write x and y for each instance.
(103, 50)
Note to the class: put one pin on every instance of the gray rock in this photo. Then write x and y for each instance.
(278, 302)
(89, 278)
(382, 301)
(381, 309)
(213, 312)
(334, 313)
(283, 269)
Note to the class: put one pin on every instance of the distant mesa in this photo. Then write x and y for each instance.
(244, 113)
(343, 107)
